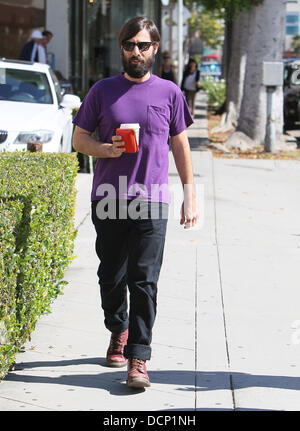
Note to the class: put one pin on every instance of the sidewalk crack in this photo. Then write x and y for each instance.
(82, 221)
(221, 287)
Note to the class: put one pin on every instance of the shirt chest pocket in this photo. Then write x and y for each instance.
(157, 120)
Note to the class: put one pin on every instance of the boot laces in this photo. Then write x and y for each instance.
(138, 364)
(116, 343)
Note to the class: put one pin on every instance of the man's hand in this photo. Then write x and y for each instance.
(189, 210)
(85, 143)
(181, 152)
(117, 147)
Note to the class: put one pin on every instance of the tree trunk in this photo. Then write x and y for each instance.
(237, 68)
(234, 66)
(257, 36)
(265, 43)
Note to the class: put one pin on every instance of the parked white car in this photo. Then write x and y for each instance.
(33, 108)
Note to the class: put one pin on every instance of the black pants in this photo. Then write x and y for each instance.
(130, 252)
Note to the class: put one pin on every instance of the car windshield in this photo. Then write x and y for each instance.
(24, 86)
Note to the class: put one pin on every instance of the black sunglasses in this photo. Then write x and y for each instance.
(142, 46)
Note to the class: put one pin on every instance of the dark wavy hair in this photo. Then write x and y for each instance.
(135, 25)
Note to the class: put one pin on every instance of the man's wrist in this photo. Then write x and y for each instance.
(105, 150)
(190, 187)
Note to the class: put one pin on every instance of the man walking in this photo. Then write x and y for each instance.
(130, 196)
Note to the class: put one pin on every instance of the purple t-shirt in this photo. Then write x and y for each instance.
(159, 107)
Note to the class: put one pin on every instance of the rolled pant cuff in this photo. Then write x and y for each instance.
(117, 329)
(139, 351)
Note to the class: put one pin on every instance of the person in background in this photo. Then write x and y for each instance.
(34, 49)
(167, 70)
(190, 82)
(47, 36)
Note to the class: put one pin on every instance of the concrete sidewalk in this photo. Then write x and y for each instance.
(227, 333)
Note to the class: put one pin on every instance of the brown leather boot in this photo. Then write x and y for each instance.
(114, 355)
(137, 374)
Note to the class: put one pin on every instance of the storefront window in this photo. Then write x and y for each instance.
(105, 19)
(94, 29)
(17, 20)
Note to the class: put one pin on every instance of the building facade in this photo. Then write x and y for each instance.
(94, 27)
(17, 20)
(84, 48)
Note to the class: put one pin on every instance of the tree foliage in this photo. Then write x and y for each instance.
(227, 9)
(206, 15)
(211, 30)
(296, 44)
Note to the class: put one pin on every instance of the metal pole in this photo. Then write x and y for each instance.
(171, 29)
(180, 41)
(84, 64)
(270, 138)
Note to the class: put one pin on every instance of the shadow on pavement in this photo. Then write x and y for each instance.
(200, 116)
(114, 381)
(197, 143)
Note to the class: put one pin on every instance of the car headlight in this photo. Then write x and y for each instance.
(34, 137)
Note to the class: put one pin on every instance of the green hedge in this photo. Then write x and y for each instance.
(37, 203)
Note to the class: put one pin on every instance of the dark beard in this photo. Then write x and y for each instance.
(137, 70)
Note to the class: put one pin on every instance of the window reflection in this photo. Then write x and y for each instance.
(105, 19)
